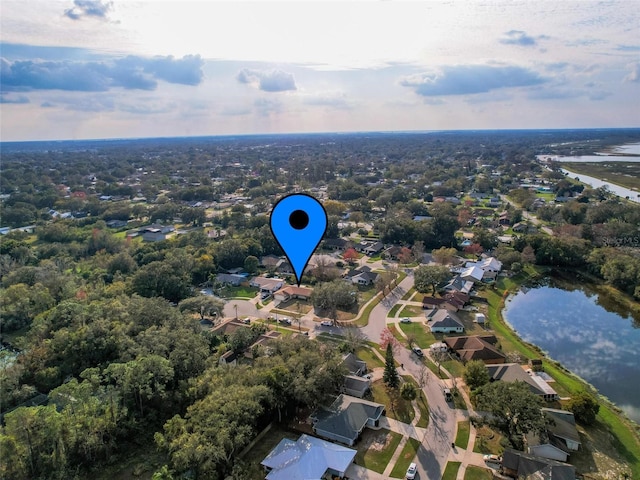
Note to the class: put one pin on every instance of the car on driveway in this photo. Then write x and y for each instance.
(326, 323)
(285, 320)
(418, 351)
(492, 459)
(405, 320)
(411, 471)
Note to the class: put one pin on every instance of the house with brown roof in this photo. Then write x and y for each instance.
(476, 347)
(289, 292)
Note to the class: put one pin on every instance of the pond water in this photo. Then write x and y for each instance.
(593, 338)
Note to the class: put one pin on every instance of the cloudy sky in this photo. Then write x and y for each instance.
(102, 69)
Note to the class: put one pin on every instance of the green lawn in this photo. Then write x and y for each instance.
(419, 332)
(238, 292)
(409, 294)
(462, 436)
(380, 446)
(488, 441)
(411, 311)
(477, 473)
(394, 310)
(402, 411)
(421, 400)
(451, 471)
(371, 359)
(408, 453)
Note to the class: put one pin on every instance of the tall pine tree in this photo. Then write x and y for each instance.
(390, 376)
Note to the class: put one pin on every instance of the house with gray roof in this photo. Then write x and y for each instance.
(354, 365)
(355, 386)
(346, 418)
(560, 438)
(512, 372)
(522, 465)
(444, 321)
(307, 458)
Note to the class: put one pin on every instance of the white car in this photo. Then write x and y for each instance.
(411, 471)
(405, 320)
(492, 459)
(418, 351)
(326, 323)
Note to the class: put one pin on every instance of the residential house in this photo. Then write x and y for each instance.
(393, 252)
(156, 232)
(346, 418)
(560, 438)
(493, 202)
(472, 274)
(228, 358)
(476, 347)
(232, 279)
(369, 247)
(458, 284)
(444, 321)
(307, 458)
(337, 244)
(487, 264)
(270, 262)
(512, 372)
(522, 465)
(354, 365)
(291, 292)
(452, 301)
(355, 386)
(228, 327)
(284, 267)
(267, 285)
(117, 223)
(504, 219)
(361, 276)
(262, 344)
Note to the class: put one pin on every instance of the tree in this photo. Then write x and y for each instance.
(405, 256)
(444, 255)
(528, 255)
(390, 376)
(334, 296)
(408, 391)
(430, 276)
(475, 374)
(356, 217)
(516, 410)
(584, 407)
(418, 251)
(251, 264)
(203, 305)
(350, 255)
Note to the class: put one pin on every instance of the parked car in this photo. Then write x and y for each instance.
(285, 320)
(405, 320)
(246, 320)
(326, 323)
(447, 395)
(492, 459)
(411, 471)
(418, 351)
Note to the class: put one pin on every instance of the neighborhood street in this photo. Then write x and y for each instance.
(436, 440)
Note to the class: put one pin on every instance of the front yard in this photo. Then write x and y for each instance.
(375, 448)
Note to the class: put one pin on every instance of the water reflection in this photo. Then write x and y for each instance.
(588, 333)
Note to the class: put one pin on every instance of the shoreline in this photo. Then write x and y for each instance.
(625, 431)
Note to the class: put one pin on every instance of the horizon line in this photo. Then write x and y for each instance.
(351, 132)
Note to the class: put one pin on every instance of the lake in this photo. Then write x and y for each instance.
(593, 338)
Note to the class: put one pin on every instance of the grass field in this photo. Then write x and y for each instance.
(421, 400)
(488, 441)
(411, 311)
(371, 359)
(407, 455)
(238, 292)
(401, 410)
(626, 174)
(451, 471)
(375, 449)
(477, 473)
(462, 436)
(419, 332)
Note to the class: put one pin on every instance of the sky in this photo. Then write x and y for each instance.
(82, 69)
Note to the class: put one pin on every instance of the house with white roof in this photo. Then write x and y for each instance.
(308, 458)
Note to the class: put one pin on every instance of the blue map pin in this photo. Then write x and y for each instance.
(298, 222)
